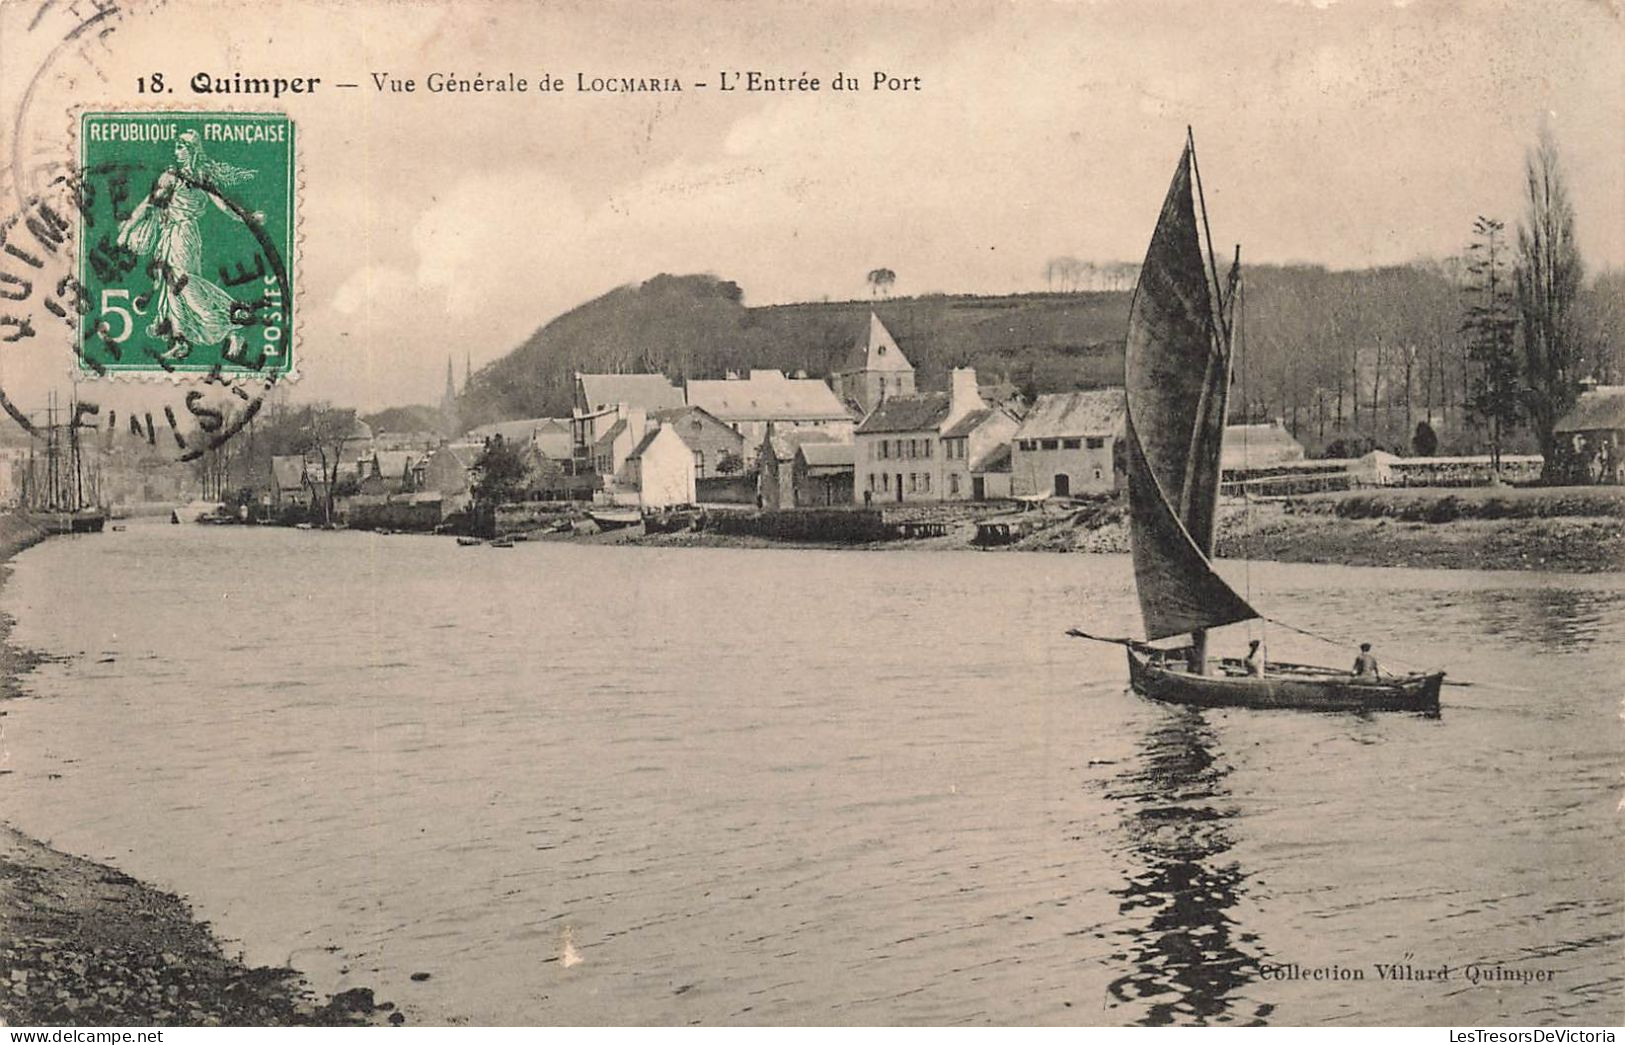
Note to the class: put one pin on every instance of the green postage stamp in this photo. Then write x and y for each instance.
(186, 247)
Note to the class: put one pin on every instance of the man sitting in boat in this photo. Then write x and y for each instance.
(1254, 662)
(1365, 665)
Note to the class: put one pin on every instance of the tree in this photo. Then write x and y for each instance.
(1548, 278)
(323, 431)
(881, 280)
(1488, 326)
(498, 474)
(730, 464)
(1425, 441)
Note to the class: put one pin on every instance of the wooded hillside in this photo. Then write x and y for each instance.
(1358, 356)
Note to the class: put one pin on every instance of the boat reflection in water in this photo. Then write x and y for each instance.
(1188, 961)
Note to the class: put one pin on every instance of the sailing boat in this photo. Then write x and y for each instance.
(1176, 382)
(66, 497)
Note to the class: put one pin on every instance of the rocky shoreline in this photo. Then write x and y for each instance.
(84, 944)
(1591, 542)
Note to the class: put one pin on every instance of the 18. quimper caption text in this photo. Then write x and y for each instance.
(727, 81)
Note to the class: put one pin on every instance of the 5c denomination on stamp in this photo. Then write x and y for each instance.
(185, 247)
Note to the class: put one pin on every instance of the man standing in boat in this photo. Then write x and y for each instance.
(1365, 665)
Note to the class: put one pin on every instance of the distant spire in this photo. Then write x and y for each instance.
(448, 405)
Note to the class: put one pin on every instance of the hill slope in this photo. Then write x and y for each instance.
(699, 327)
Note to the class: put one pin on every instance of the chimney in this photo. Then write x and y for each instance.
(963, 394)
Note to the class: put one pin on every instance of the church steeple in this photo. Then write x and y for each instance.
(448, 405)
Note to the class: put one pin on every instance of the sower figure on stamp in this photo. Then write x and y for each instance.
(187, 309)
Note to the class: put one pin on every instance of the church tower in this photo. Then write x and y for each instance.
(876, 370)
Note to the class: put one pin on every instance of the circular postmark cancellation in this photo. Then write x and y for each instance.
(167, 251)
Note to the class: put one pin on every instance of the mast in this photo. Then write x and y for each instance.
(1176, 368)
(1215, 397)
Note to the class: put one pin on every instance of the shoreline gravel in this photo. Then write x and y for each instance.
(84, 944)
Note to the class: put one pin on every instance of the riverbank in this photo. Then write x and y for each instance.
(1483, 528)
(83, 944)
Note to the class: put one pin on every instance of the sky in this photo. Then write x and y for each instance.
(450, 225)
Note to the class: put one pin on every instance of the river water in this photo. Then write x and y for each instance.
(580, 784)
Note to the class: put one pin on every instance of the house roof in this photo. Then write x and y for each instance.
(1600, 409)
(828, 455)
(686, 433)
(546, 432)
(650, 391)
(611, 434)
(915, 413)
(1257, 446)
(462, 456)
(995, 460)
(1095, 412)
(288, 471)
(787, 442)
(767, 395)
(392, 464)
(643, 444)
(967, 424)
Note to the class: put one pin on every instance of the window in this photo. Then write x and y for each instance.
(927, 443)
(872, 483)
(953, 483)
(1029, 444)
(885, 449)
(1097, 474)
(913, 482)
(699, 463)
(1097, 442)
(925, 482)
(1049, 444)
(1071, 444)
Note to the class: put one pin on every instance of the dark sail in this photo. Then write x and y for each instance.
(1176, 373)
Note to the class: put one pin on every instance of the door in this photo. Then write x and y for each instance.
(1063, 485)
(978, 488)
(899, 478)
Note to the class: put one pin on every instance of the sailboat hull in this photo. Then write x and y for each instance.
(1285, 686)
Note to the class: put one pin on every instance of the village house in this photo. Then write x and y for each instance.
(1591, 437)
(921, 447)
(288, 488)
(775, 458)
(875, 370)
(967, 446)
(1068, 444)
(767, 397)
(388, 472)
(604, 400)
(661, 469)
(821, 475)
(446, 472)
(611, 449)
(716, 446)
